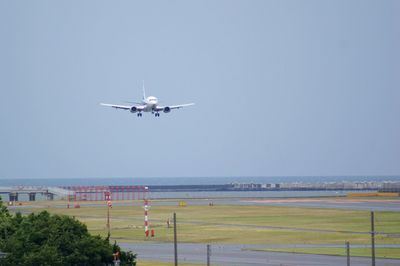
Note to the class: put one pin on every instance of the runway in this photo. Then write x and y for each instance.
(332, 203)
(328, 202)
(241, 255)
(319, 202)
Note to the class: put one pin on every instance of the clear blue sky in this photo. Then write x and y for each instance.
(281, 88)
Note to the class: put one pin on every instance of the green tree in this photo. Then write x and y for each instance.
(45, 239)
(6, 225)
(3, 209)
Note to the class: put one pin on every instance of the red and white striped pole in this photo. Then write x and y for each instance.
(107, 195)
(146, 218)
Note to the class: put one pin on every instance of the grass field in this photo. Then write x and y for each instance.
(241, 224)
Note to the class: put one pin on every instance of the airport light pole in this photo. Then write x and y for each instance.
(108, 202)
(348, 252)
(175, 242)
(372, 238)
(108, 222)
(208, 254)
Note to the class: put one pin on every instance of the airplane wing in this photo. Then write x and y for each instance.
(124, 107)
(168, 108)
(180, 105)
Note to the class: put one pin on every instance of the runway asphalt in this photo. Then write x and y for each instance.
(340, 203)
(240, 255)
(318, 202)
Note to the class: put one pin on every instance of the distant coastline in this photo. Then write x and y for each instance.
(164, 188)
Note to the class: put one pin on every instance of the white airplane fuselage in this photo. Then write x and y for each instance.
(150, 104)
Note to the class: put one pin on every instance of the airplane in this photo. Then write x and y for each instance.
(148, 104)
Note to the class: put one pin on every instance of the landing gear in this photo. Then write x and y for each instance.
(156, 114)
(139, 114)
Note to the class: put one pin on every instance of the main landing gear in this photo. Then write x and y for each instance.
(139, 114)
(157, 115)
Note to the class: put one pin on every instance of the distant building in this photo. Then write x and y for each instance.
(339, 185)
(390, 187)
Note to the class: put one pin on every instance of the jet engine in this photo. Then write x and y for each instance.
(167, 109)
(134, 109)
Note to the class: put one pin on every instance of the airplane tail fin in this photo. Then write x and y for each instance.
(144, 91)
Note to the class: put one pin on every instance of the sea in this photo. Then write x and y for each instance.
(163, 181)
